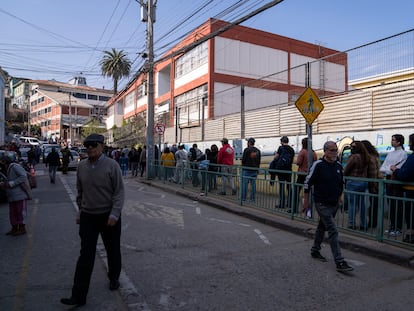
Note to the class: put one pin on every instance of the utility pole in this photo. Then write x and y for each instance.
(149, 17)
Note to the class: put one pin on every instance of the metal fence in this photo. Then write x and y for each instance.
(385, 216)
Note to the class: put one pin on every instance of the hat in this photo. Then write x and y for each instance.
(225, 141)
(251, 140)
(94, 138)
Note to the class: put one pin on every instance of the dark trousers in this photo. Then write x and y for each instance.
(284, 183)
(89, 229)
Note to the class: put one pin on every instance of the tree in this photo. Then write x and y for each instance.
(116, 65)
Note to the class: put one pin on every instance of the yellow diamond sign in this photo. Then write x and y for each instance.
(309, 105)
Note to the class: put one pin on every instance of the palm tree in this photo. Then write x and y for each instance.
(116, 65)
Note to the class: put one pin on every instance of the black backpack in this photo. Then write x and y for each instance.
(284, 161)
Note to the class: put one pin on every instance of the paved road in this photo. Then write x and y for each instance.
(181, 254)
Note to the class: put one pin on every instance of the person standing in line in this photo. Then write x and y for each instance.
(16, 195)
(53, 161)
(302, 163)
(100, 199)
(134, 159)
(181, 158)
(326, 179)
(406, 174)
(284, 156)
(143, 160)
(396, 158)
(250, 167)
(225, 158)
(357, 166)
(212, 168)
(373, 187)
(167, 162)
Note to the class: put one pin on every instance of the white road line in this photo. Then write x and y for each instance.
(262, 236)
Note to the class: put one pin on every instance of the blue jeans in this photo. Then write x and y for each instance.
(327, 223)
(249, 176)
(52, 173)
(357, 200)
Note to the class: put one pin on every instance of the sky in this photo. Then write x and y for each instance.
(49, 39)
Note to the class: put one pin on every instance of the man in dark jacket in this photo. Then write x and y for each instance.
(53, 160)
(251, 164)
(326, 179)
(66, 156)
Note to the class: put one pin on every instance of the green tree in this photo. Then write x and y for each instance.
(116, 65)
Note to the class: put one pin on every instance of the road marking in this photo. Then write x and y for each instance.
(262, 236)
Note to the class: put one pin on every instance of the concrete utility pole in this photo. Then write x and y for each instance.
(150, 16)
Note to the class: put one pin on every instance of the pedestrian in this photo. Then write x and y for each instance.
(17, 187)
(143, 160)
(406, 174)
(100, 199)
(250, 167)
(284, 160)
(66, 157)
(123, 163)
(31, 156)
(357, 166)
(212, 167)
(373, 172)
(326, 179)
(303, 166)
(181, 158)
(53, 161)
(134, 159)
(225, 158)
(396, 158)
(168, 163)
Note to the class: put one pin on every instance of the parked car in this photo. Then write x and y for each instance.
(83, 154)
(29, 140)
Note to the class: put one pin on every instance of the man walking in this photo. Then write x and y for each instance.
(100, 200)
(326, 178)
(251, 164)
(53, 161)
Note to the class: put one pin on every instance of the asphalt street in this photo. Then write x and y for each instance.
(181, 252)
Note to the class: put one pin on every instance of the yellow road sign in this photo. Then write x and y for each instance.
(309, 105)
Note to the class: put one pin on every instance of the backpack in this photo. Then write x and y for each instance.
(284, 161)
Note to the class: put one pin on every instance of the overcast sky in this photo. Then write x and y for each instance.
(50, 39)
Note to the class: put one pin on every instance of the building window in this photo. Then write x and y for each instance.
(191, 60)
(93, 97)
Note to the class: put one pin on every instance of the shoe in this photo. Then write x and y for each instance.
(72, 301)
(343, 266)
(317, 255)
(233, 192)
(21, 229)
(395, 233)
(202, 194)
(13, 230)
(114, 285)
(222, 193)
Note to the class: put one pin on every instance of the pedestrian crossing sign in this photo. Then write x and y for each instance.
(309, 105)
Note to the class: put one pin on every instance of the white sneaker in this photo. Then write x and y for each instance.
(395, 233)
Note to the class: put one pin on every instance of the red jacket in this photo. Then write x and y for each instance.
(225, 155)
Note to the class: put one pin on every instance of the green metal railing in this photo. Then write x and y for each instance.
(378, 206)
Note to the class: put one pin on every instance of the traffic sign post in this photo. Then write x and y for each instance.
(159, 128)
(309, 105)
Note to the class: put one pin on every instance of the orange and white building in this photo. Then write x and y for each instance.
(214, 89)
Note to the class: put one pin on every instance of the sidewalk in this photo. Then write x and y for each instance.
(387, 252)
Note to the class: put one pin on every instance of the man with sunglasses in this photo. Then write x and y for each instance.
(326, 180)
(100, 200)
